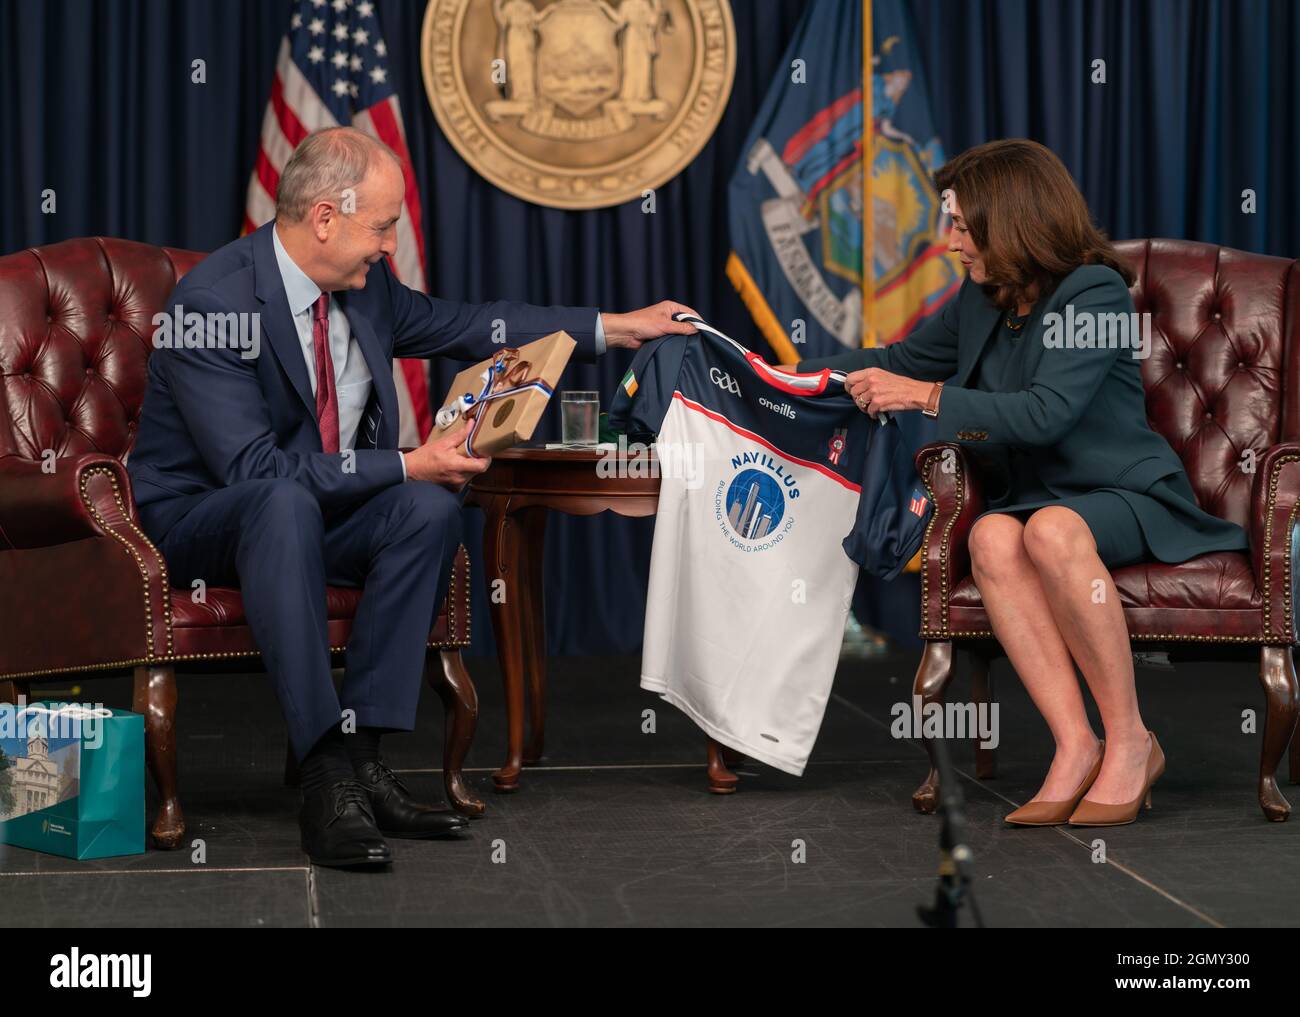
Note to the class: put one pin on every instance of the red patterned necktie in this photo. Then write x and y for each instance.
(327, 401)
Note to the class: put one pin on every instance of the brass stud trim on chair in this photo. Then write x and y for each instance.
(944, 545)
(451, 643)
(925, 542)
(1269, 507)
(1266, 637)
(101, 471)
(469, 616)
(451, 597)
(155, 661)
(1263, 639)
(162, 562)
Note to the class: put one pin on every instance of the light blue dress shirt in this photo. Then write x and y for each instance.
(352, 378)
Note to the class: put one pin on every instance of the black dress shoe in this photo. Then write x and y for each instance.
(398, 814)
(338, 827)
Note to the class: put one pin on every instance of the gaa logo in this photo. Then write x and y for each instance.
(724, 381)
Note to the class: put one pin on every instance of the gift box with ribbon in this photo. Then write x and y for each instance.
(498, 402)
(72, 779)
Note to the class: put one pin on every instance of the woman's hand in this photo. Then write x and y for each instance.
(876, 391)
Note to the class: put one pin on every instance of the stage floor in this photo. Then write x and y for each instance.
(615, 827)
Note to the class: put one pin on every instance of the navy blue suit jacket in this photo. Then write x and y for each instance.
(213, 417)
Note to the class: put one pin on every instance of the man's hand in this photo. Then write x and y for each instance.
(440, 460)
(632, 329)
(876, 391)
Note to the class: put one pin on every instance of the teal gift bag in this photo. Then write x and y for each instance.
(72, 780)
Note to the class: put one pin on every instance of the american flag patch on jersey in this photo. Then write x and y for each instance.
(919, 503)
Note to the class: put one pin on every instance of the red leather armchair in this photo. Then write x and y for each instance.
(1223, 378)
(81, 587)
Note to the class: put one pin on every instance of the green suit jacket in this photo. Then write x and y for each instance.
(1080, 417)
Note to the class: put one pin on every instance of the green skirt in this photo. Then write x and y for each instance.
(1114, 524)
(1163, 523)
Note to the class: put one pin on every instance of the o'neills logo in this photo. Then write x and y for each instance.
(75, 970)
(785, 409)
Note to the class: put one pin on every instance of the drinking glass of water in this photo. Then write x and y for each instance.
(579, 417)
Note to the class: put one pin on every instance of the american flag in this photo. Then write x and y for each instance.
(332, 70)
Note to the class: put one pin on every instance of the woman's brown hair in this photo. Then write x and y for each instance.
(1027, 217)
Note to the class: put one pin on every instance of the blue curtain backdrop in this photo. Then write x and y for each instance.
(1201, 101)
(96, 103)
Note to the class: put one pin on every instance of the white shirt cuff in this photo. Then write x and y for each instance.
(600, 336)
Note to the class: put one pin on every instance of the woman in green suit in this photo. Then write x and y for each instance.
(1042, 365)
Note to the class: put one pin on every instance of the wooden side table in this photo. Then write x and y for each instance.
(515, 493)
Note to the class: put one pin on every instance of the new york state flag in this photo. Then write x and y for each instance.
(796, 201)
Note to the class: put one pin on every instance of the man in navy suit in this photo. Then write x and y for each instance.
(273, 464)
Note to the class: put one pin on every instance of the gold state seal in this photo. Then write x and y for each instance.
(578, 103)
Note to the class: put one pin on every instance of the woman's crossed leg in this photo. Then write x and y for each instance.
(1052, 603)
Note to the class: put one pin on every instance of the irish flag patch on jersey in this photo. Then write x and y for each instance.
(629, 383)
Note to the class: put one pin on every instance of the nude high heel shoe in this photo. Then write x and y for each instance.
(1057, 813)
(1099, 814)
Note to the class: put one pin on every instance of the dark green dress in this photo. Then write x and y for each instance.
(1012, 487)
(1107, 454)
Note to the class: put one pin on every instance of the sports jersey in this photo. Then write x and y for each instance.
(762, 474)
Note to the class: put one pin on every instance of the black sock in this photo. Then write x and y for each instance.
(326, 763)
(362, 745)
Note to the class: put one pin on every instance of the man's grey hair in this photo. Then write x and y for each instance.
(325, 164)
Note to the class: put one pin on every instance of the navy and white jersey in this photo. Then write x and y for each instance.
(762, 473)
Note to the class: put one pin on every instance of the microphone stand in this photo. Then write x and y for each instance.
(954, 887)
